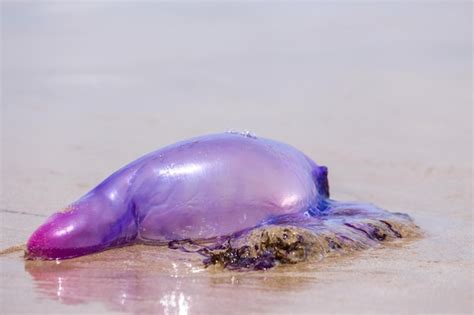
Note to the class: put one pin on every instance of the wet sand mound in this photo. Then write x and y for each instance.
(293, 239)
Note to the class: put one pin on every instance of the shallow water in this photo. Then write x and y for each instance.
(152, 279)
(380, 93)
(149, 279)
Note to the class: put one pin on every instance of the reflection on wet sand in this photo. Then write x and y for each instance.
(156, 280)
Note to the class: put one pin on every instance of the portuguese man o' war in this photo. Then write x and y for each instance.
(238, 200)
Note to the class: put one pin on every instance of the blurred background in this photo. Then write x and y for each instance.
(87, 86)
(380, 92)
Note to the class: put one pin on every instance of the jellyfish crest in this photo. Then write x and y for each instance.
(322, 181)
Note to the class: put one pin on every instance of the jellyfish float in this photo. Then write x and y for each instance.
(239, 200)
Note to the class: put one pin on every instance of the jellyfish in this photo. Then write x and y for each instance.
(240, 201)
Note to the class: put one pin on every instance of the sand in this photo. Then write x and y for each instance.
(380, 93)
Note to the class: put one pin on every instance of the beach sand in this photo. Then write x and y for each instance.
(380, 93)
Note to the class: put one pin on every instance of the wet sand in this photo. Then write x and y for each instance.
(381, 94)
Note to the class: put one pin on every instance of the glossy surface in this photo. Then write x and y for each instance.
(201, 188)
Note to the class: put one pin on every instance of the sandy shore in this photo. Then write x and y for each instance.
(381, 94)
